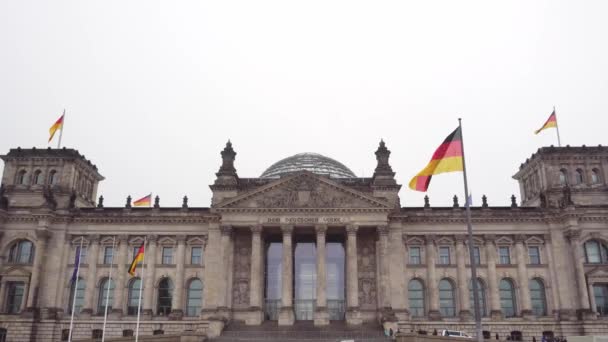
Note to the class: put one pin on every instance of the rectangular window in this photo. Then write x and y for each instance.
(135, 250)
(14, 297)
(534, 253)
(415, 258)
(83, 254)
(167, 255)
(444, 255)
(505, 255)
(108, 252)
(477, 255)
(196, 256)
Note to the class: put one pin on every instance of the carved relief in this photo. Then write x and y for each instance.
(366, 265)
(242, 269)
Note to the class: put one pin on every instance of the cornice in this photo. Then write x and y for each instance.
(302, 210)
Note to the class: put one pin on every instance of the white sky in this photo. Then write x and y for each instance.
(154, 89)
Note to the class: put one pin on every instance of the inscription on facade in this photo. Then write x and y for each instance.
(305, 220)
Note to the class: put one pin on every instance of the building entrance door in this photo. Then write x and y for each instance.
(305, 279)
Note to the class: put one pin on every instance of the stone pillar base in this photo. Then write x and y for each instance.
(465, 315)
(286, 316)
(215, 328)
(402, 314)
(528, 315)
(84, 313)
(567, 315)
(353, 316)
(176, 315)
(49, 313)
(256, 316)
(30, 313)
(434, 315)
(146, 314)
(115, 314)
(496, 315)
(586, 314)
(321, 316)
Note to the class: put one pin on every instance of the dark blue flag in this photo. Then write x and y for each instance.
(76, 264)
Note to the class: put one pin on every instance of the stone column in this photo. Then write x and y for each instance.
(385, 289)
(225, 273)
(495, 311)
(42, 235)
(462, 276)
(353, 316)
(121, 288)
(554, 283)
(257, 274)
(150, 276)
(177, 305)
(397, 268)
(579, 270)
(91, 282)
(431, 279)
(212, 260)
(522, 274)
(321, 316)
(286, 315)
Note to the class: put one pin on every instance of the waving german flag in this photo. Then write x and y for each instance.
(551, 122)
(144, 201)
(56, 126)
(447, 158)
(139, 257)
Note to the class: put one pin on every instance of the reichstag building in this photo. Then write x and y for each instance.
(307, 240)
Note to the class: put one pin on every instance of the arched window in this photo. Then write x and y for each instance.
(52, 177)
(447, 302)
(595, 176)
(416, 298)
(38, 177)
(563, 177)
(165, 297)
(481, 293)
(79, 296)
(195, 297)
(596, 252)
(14, 297)
(21, 177)
(103, 295)
(600, 293)
(507, 298)
(537, 296)
(22, 252)
(133, 296)
(578, 176)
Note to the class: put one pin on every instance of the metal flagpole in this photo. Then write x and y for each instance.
(75, 290)
(470, 240)
(61, 133)
(105, 315)
(559, 142)
(141, 286)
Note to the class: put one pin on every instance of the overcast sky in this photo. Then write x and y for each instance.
(154, 89)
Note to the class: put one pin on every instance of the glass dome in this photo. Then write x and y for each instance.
(312, 162)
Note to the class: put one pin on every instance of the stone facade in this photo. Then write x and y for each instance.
(542, 266)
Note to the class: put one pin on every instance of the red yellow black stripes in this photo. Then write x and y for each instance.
(56, 126)
(139, 257)
(551, 122)
(447, 158)
(144, 201)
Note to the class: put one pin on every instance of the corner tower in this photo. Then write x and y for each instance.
(562, 176)
(53, 178)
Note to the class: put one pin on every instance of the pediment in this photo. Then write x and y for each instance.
(598, 273)
(304, 190)
(16, 271)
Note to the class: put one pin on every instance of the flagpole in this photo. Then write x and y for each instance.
(61, 133)
(141, 286)
(75, 290)
(105, 315)
(559, 142)
(470, 240)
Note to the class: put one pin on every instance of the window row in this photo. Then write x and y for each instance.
(447, 298)
(37, 178)
(167, 255)
(596, 252)
(445, 255)
(164, 296)
(579, 177)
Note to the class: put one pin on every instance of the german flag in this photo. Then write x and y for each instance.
(551, 122)
(139, 257)
(56, 126)
(447, 158)
(143, 202)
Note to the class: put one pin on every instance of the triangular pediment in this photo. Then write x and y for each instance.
(304, 190)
